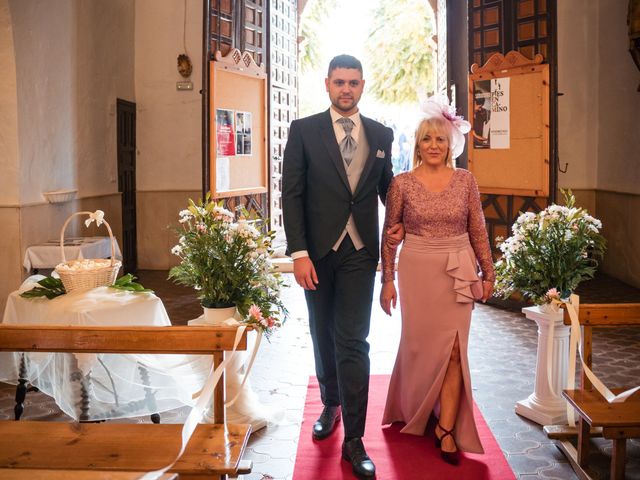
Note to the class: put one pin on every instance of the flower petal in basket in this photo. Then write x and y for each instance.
(81, 275)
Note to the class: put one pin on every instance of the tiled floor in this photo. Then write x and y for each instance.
(502, 354)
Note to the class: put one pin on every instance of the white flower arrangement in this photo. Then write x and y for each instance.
(548, 254)
(228, 262)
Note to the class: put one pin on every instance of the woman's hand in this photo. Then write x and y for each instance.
(388, 297)
(395, 235)
(487, 290)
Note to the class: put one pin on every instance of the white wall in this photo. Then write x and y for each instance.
(44, 38)
(103, 72)
(169, 121)
(73, 60)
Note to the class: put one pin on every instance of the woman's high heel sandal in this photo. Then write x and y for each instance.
(452, 458)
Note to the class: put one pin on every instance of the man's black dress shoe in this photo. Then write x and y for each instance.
(326, 423)
(353, 452)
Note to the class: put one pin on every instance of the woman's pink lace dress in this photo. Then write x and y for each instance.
(445, 236)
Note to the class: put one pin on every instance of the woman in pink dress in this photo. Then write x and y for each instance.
(445, 240)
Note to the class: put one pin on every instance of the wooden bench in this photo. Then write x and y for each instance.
(613, 421)
(122, 450)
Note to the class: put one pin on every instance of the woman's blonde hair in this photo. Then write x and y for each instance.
(437, 126)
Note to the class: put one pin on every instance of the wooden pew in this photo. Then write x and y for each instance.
(614, 421)
(122, 450)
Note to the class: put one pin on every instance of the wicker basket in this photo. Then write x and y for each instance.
(79, 275)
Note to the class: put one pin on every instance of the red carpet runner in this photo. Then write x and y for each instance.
(397, 456)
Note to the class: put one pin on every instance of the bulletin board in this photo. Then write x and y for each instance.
(509, 111)
(238, 126)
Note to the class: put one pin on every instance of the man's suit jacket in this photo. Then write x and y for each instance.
(316, 197)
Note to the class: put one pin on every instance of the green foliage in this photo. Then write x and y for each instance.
(126, 283)
(315, 13)
(400, 52)
(550, 253)
(228, 262)
(49, 287)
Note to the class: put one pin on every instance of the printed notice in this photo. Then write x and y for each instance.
(225, 132)
(243, 133)
(222, 174)
(500, 113)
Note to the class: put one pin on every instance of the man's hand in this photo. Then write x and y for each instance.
(305, 273)
(487, 290)
(388, 297)
(395, 235)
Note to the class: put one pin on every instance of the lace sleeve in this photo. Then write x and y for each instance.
(478, 232)
(393, 215)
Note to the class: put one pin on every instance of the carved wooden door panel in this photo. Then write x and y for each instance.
(283, 93)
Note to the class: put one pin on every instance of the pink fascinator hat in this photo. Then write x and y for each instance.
(438, 106)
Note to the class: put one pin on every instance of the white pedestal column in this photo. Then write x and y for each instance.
(545, 405)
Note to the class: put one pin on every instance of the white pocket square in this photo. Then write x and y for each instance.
(380, 154)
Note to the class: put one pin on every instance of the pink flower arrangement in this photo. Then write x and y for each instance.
(256, 317)
(255, 312)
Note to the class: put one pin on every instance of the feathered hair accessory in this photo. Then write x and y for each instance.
(438, 106)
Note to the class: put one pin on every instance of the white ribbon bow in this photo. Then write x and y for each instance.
(98, 216)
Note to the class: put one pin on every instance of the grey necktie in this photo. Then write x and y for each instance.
(348, 144)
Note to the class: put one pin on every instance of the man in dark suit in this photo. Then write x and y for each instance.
(336, 165)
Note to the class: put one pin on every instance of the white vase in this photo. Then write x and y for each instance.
(217, 316)
(214, 316)
(545, 405)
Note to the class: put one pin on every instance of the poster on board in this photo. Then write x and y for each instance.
(491, 114)
(243, 133)
(481, 114)
(500, 113)
(225, 132)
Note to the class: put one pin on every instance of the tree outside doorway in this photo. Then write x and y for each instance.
(394, 41)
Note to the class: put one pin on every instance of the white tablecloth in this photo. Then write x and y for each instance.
(47, 255)
(120, 385)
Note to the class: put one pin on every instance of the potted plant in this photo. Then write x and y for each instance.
(545, 258)
(227, 260)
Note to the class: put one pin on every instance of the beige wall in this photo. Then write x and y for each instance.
(169, 121)
(157, 216)
(620, 217)
(10, 261)
(619, 126)
(9, 192)
(599, 125)
(578, 81)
